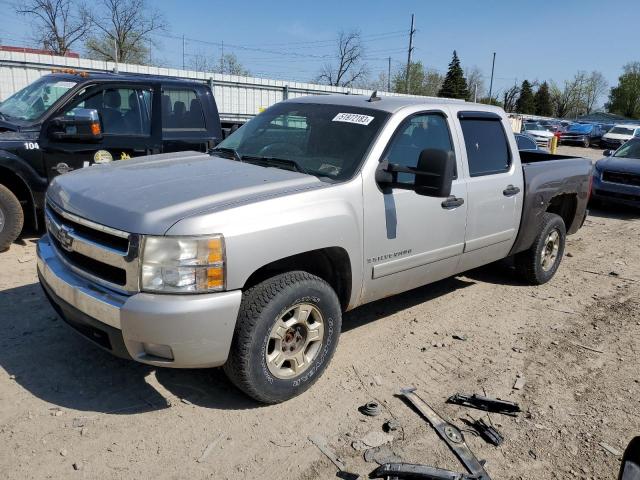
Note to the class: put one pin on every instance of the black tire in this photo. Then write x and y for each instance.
(529, 263)
(261, 307)
(587, 142)
(11, 212)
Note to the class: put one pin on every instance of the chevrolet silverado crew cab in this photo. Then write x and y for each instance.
(248, 256)
(66, 121)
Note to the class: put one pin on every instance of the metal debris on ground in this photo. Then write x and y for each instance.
(493, 405)
(488, 433)
(322, 444)
(459, 337)
(610, 449)
(371, 409)
(391, 425)
(381, 455)
(451, 435)
(371, 440)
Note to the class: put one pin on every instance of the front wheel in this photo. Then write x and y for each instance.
(539, 263)
(285, 336)
(11, 218)
(586, 142)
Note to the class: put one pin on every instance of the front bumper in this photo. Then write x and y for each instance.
(615, 192)
(180, 331)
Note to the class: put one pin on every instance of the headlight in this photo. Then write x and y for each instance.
(183, 264)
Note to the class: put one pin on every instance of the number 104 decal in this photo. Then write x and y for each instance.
(31, 145)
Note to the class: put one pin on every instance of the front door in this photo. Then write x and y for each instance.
(410, 239)
(125, 116)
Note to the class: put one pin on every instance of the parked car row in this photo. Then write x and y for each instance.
(580, 133)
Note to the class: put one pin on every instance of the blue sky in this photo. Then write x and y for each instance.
(291, 40)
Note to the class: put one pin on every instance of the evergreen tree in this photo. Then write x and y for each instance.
(542, 99)
(454, 85)
(526, 101)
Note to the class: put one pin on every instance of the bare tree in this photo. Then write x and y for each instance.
(569, 101)
(231, 66)
(124, 30)
(596, 86)
(201, 62)
(350, 67)
(475, 81)
(510, 98)
(58, 24)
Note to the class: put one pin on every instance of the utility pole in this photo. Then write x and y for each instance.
(389, 76)
(475, 94)
(115, 53)
(183, 51)
(411, 32)
(493, 65)
(222, 57)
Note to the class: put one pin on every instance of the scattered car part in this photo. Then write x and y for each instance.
(391, 425)
(322, 444)
(630, 466)
(488, 433)
(493, 405)
(412, 471)
(371, 409)
(453, 438)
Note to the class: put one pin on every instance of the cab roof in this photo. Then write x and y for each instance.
(85, 77)
(388, 104)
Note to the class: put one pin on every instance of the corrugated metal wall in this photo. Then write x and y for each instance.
(237, 97)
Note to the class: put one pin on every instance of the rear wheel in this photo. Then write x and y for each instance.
(539, 263)
(586, 142)
(285, 336)
(11, 218)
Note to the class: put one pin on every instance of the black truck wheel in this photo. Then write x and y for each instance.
(539, 263)
(287, 331)
(11, 218)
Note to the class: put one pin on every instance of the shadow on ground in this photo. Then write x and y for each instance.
(61, 367)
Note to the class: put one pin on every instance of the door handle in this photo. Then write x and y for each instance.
(510, 191)
(452, 202)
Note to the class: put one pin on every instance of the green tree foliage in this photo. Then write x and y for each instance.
(526, 102)
(625, 98)
(454, 85)
(542, 98)
(421, 81)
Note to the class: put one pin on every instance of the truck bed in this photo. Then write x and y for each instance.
(548, 179)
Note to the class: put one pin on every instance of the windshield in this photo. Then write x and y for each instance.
(622, 130)
(631, 149)
(533, 126)
(35, 99)
(323, 140)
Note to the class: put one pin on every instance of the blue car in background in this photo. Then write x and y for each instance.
(616, 178)
(583, 134)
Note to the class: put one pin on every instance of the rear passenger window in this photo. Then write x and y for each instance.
(487, 147)
(181, 111)
(429, 130)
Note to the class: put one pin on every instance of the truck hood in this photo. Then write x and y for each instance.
(150, 194)
(618, 164)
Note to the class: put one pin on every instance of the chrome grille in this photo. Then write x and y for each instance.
(103, 254)
(623, 178)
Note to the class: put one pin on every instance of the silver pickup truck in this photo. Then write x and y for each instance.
(246, 257)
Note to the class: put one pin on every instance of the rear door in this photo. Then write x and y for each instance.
(183, 121)
(125, 113)
(494, 187)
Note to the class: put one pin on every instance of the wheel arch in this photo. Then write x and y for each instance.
(565, 206)
(332, 264)
(20, 188)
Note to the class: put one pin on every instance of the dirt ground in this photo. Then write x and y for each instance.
(69, 410)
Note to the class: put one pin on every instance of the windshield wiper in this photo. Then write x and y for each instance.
(276, 162)
(229, 151)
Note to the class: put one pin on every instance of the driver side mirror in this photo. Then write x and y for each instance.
(607, 153)
(433, 174)
(83, 125)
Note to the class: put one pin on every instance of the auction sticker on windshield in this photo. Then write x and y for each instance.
(353, 118)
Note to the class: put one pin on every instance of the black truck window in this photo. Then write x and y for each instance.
(181, 111)
(120, 110)
(487, 147)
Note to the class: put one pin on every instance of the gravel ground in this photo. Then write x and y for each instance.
(69, 410)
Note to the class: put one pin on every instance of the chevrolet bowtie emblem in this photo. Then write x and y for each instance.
(65, 238)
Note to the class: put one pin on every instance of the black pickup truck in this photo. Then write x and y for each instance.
(70, 120)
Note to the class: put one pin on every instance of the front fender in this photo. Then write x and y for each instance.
(266, 231)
